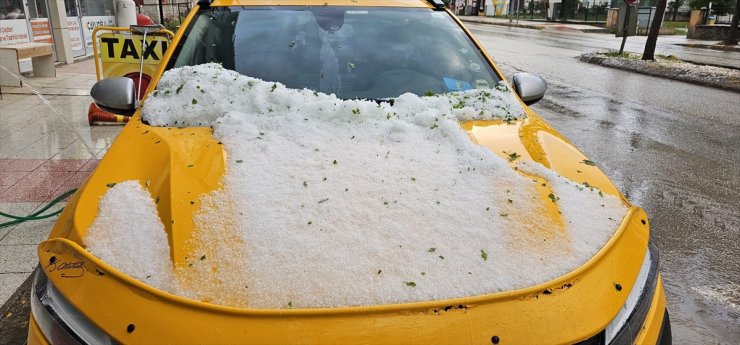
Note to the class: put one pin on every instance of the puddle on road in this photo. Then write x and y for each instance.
(684, 173)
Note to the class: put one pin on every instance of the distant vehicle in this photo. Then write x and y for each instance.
(614, 297)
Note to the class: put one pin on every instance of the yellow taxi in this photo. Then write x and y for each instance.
(616, 296)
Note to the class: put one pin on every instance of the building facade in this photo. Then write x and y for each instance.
(67, 24)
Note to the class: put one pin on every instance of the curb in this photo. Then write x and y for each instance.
(710, 46)
(14, 315)
(725, 82)
(526, 26)
(553, 26)
(596, 31)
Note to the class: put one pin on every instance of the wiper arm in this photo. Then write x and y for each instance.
(376, 100)
(382, 100)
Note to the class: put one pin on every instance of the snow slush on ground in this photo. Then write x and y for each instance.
(329, 202)
(669, 67)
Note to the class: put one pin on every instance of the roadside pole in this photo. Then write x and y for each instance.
(625, 29)
(628, 21)
(510, 2)
(161, 13)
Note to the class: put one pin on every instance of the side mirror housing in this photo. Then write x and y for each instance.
(530, 88)
(115, 94)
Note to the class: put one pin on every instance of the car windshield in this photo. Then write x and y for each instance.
(353, 52)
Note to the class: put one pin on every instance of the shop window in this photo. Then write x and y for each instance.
(37, 9)
(96, 8)
(70, 6)
(12, 9)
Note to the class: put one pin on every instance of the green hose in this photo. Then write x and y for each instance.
(38, 214)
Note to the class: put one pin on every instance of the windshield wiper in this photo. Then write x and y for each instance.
(382, 100)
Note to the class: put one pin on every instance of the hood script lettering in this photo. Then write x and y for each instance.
(67, 269)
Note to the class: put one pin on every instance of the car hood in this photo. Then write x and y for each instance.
(178, 164)
(159, 157)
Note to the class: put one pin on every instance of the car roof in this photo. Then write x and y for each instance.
(358, 3)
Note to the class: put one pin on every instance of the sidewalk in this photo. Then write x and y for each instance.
(531, 24)
(46, 148)
(698, 52)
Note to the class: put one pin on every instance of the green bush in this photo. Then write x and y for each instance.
(172, 23)
(679, 25)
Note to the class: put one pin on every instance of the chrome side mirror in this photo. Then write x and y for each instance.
(116, 94)
(530, 88)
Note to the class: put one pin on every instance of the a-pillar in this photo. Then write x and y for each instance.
(60, 31)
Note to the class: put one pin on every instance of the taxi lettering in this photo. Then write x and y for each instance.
(127, 48)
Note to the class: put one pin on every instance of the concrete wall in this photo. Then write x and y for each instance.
(710, 32)
(699, 31)
(697, 18)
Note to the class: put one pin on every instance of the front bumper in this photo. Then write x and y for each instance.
(572, 308)
(655, 330)
(35, 336)
(657, 327)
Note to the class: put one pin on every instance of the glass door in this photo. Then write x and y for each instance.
(75, 27)
(38, 17)
(94, 13)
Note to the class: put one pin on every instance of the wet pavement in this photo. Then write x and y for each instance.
(46, 148)
(676, 45)
(671, 147)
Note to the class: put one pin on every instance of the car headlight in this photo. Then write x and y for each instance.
(59, 321)
(625, 327)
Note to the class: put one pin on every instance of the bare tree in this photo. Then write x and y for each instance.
(652, 40)
(731, 38)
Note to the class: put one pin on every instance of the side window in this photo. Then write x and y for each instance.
(208, 39)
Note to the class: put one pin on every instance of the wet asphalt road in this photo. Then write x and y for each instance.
(673, 148)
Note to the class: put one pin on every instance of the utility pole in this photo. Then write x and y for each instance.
(161, 12)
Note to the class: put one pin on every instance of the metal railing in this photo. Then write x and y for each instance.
(173, 12)
(582, 11)
(571, 10)
(533, 9)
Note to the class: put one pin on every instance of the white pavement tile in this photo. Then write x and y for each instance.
(32, 129)
(41, 153)
(9, 282)
(7, 152)
(78, 151)
(31, 232)
(16, 209)
(18, 258)
(9, 98)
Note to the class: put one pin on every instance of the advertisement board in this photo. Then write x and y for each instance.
(41, 30)
(75, 35)
(92, 22)
(500, 7)
(13, 31)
